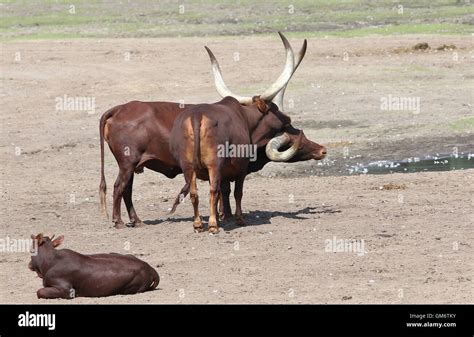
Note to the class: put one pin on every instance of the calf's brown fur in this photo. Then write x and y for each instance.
(68, 274)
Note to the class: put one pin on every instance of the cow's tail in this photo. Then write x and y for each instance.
(103, 185)
(155, 279)
(179, 199)
(196, 124)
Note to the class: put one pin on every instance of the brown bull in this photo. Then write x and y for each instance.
(138, 135)
(199, 135)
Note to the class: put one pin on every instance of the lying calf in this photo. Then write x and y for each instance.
(67, 274)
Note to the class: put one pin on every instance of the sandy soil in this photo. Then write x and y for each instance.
(418, 239)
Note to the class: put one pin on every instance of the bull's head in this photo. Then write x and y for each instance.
(274, 131)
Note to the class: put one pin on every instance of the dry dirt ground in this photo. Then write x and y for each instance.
(418, 239)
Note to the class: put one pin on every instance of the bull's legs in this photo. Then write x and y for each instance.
(197, 224)
(121, 182)
(225, 211)
(127, 198)
(215, 185)
(238, 192)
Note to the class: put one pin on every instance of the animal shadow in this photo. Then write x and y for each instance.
(255, 218)
(167, 220)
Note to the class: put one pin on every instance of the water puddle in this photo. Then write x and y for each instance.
(416, 164)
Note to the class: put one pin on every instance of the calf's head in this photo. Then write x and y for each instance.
(45, 246)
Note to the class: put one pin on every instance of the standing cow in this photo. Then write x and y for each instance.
(264, 154)
(138, 135)
(241, 122)
(200, 130)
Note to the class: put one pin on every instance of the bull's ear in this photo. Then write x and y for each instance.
(59, 240)
(33, 236)
(38, 238)
(261, 104)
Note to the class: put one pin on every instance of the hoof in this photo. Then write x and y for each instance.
(240, 221)
(138, 224)
(224, 216)
(198, 229)
(119, 225)
(197, 224)
(213, 229)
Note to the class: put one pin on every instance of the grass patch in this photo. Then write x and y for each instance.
(463, 124)
(348, 18)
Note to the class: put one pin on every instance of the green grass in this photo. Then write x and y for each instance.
(344, 18)
(445, 29)
(463, 124)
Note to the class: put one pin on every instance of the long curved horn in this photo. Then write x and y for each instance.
(278, 100)
(277, 142)
(285, 76)
(219, 81)
(268, 94)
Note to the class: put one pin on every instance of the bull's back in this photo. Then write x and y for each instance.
(143, 130)
(216, 125)
(146, 120)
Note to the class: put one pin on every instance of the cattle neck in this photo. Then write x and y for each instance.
(254, 120)
(253, 116)
(45, 258)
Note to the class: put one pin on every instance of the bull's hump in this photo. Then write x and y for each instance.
(229, 100)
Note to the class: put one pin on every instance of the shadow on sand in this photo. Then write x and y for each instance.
(256, 218)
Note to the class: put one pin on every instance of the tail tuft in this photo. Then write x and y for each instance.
(179, 199)
(103, 199)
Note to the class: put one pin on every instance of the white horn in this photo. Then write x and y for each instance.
(278, 100)
(277, 142)
(285, 76)
(219, 81)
